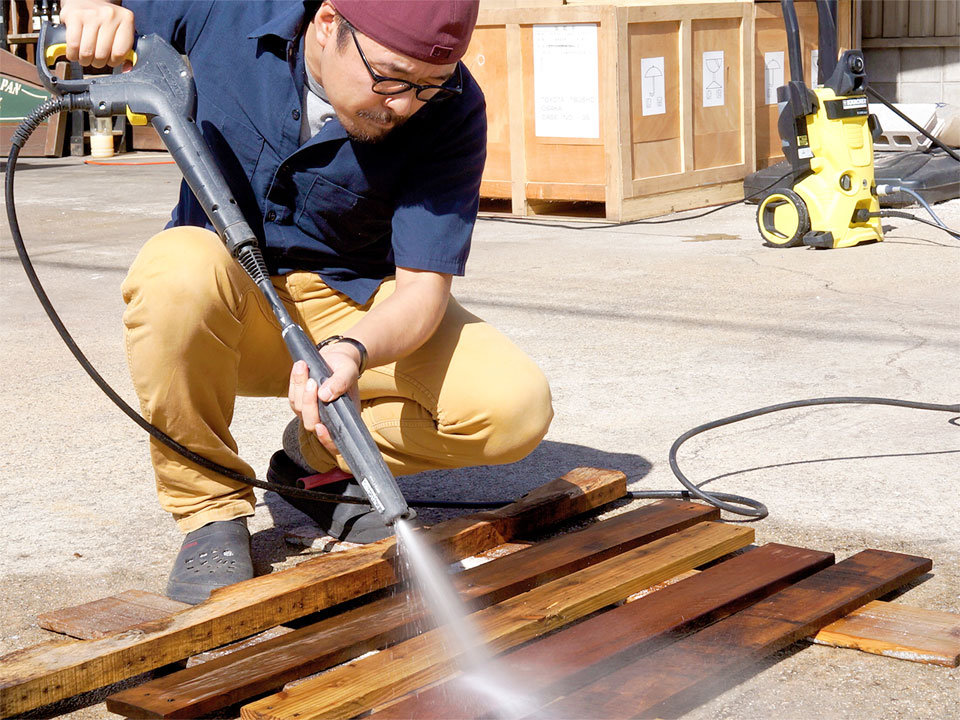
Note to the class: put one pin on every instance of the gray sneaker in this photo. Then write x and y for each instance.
(213, 556)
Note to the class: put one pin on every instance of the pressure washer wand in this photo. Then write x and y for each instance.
(160, 89)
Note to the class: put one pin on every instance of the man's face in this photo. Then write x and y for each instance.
(340, 69)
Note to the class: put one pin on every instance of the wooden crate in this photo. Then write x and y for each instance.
(597, 141)
(770, 46)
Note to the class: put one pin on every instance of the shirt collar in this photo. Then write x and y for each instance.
(286, 25)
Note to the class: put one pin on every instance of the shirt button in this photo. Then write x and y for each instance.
(271, 216)
(296, 114)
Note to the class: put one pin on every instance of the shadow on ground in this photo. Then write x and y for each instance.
(479, 484)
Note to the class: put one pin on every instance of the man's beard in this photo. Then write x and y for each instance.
(360, 133)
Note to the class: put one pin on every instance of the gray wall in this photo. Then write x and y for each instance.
(915, 74)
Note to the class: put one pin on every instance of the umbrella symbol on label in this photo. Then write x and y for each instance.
(654, 75)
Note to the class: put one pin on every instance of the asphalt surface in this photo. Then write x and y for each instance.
(644, 331)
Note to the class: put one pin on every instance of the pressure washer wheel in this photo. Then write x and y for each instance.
(783, 219)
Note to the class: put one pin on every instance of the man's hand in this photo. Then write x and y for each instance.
(99, 33)
(305, 397)
(391, 330)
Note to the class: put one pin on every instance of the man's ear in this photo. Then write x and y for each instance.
(325, 23)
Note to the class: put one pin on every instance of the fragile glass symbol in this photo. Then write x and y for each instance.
(714, 66)
(773, 76)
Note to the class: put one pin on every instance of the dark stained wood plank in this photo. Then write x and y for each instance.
(574, 657)
(368, 682)
(563, 555)
(33, 677)
(690, 671)
(110, 615)
(231, 679)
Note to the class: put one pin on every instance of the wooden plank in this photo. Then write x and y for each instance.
(635, 208)
(611, 40)
(211, 655)
(487, 555)
(947, 18)
(110, 615)
(872, 13)
(621, 155)
(518, 150)
(894, 18)
(898, 631)
(227, 680)
(690, 671)
(685, 97)
(924, 42)
(921, 19)
(363, 684)
(32, 677)
(573, 657)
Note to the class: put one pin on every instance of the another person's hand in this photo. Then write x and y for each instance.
(99, 32)
(305, 397)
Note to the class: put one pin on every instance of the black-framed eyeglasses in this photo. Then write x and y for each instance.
(395, 86)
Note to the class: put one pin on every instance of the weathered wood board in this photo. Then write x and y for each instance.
(33, 677)
(363, 684)
(573, 657)
(109, 615)
(693, 669)
(899, 631)
(230, 679)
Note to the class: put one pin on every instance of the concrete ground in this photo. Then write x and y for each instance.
(644, 331)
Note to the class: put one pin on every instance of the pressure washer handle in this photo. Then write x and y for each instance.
(52, 46)
(351, 436)
(794, 50)
(341, 416)
(159, 89)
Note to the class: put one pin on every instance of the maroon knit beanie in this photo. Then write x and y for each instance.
(435, 31)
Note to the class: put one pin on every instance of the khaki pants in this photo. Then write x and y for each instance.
(199, 333)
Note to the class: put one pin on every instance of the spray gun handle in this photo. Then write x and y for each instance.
(52, 46)
(159, 83)
(351, 436)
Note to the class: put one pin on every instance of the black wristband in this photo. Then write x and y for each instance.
(351, 341)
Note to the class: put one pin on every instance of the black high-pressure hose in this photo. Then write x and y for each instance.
(757, 510)
(736, 504)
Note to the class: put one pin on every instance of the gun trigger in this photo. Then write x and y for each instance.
(136, 118)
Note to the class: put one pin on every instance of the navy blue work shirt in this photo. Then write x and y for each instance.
(348, 210)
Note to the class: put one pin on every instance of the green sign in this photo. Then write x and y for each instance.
(17, 99)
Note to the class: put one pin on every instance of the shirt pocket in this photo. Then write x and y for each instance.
(345, 221)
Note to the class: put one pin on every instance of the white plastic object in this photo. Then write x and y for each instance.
(101, 138)
(898, 134)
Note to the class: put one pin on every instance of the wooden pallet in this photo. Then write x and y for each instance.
(582, 600)
(37, 676)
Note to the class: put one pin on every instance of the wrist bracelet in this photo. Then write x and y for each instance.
(350, 341)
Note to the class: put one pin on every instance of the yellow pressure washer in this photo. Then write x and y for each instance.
(827, 135)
